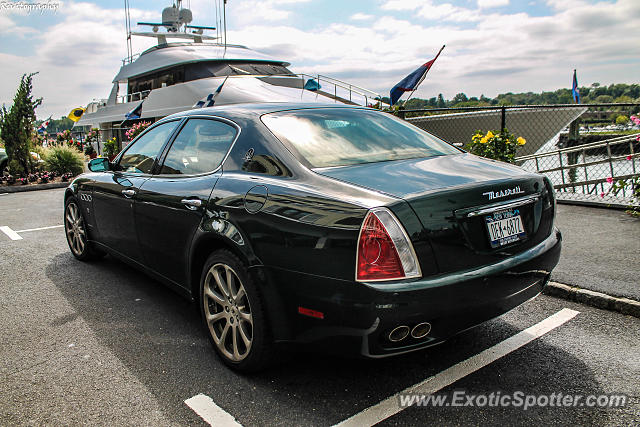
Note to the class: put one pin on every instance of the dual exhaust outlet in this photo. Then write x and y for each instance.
(401, 332)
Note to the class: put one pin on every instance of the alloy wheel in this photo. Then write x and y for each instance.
(74, 227)
(228, 312)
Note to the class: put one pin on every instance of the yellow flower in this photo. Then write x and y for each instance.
(521, 140)
(484, 140)
(490, 134)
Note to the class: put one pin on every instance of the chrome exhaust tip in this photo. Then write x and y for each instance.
(399, 333)
(421, 330)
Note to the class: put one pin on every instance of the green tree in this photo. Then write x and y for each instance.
(460, 97)
(17, 127)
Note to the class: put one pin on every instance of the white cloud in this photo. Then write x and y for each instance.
(255, 11)
(428, 10)
(486, 4)
(361, 17)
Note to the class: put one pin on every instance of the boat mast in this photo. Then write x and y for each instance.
(127, 23)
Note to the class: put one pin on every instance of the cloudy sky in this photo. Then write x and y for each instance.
(492, 46)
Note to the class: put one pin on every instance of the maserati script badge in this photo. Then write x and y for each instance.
(503, 193)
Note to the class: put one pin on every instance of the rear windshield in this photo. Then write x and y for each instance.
(327, 137)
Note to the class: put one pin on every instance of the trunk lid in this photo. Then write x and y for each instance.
(455, 197)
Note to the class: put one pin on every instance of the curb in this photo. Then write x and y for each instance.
(594, 299)
(23, 188)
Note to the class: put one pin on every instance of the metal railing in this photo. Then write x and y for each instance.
(588, 169)
(132, 97)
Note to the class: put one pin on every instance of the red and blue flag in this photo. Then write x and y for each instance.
(412, 81)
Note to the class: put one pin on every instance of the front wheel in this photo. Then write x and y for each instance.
(76, 232)
(233, 313)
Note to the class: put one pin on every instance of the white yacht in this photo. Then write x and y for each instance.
(187, 66)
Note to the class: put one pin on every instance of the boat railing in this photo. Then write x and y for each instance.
(132, 97)
(338, 90)
(369, 96)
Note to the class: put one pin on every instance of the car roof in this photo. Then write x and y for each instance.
(258, 109)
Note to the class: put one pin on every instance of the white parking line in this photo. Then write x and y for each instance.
(391, 406)
(9, 232)
(211, 413)
(38, 229)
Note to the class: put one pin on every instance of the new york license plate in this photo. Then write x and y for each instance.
(505, 227)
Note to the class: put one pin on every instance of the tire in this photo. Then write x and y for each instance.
(76, 231)
(233, 316)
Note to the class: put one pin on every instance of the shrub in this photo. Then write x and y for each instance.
(498, 146)
(111, 147)
(63, 159)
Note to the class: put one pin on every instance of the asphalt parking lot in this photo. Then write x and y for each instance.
(101, 343)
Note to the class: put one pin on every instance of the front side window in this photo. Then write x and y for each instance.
(327, 137)
(199, 148)
(142, 154)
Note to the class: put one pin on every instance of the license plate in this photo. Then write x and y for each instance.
(505, 227)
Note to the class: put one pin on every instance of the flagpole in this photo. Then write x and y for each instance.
(425, 75)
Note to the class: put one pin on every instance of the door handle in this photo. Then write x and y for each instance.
(192, 204)
(128, 193)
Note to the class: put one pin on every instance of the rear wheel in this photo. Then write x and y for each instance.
(76, 232)
(233, 313)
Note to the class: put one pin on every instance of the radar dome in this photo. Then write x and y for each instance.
(185, 16)
(170, 15)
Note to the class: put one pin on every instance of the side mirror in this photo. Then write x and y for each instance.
(100, 164)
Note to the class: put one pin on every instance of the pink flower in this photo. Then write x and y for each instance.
(602, 195)
(638, 137)
(609, 180)
(629, 157)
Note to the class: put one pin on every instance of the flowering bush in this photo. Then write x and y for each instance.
(92, 135)
(64, 137)
(111, 147)
(136, 130)
(495, 145)
(635, 120)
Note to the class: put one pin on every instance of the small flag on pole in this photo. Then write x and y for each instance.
(135, 113)
(210, 99)
(413, 80)
(574, 89)
(43, 126)
(76, 113)
(207, 101)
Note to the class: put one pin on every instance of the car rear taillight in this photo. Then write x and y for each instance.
(384, 250)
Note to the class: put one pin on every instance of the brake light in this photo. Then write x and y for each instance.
(384, 250)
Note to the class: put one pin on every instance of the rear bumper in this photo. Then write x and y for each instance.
(357, 317)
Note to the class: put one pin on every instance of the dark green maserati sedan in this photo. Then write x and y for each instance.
(328, 225)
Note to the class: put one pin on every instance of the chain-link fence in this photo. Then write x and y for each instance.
(583, 149)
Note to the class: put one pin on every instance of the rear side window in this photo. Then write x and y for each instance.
(327, 137)
(141, 155)
(199, 148)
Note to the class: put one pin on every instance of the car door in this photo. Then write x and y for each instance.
(114, 192)
(170, 205)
